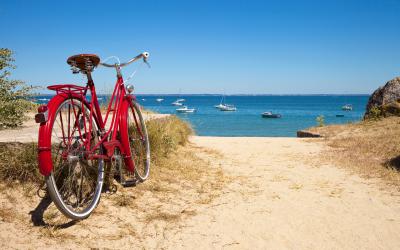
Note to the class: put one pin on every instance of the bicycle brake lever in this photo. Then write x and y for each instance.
(147, 63)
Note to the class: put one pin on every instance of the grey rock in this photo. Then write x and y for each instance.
(385, 100)
(305, 133)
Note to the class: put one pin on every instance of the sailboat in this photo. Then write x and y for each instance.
(221, 103)
(222, 106)
(228, 107)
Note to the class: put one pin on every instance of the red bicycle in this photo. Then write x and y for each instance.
(75, 141)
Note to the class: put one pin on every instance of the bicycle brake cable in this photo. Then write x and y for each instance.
(108, 58)
(134, 72)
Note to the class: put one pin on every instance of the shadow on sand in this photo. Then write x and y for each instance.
(37, 215)
(394, 163)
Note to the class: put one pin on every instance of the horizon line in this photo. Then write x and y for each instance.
(235, 94)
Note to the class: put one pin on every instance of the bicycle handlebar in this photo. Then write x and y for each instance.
(144, 55)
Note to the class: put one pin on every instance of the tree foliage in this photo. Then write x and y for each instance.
(14, 94)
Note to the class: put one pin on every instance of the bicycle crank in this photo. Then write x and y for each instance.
(123, 179)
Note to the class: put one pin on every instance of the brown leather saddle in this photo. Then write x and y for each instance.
(83, 62)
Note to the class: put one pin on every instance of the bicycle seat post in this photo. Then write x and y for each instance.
(89, 77)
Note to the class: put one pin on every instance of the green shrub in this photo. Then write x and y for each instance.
(13, 94)
(375, 113)
(320, 121)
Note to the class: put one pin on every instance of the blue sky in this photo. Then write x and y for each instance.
(247, 47)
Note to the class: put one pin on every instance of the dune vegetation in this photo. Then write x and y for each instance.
(370, 147)
(18, 161)
(181, 178)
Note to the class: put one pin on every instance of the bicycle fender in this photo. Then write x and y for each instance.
(44, 138)
(129, 164)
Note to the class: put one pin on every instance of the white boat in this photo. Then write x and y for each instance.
(347, 107)
(221, 103)
(185, 109)
(181, 100)
(159, 99)
(228, 107)
(177, 103)
(219, 106)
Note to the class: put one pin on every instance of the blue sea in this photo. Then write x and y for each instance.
(298, 112)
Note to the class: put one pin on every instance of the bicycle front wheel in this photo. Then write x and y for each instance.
(138, 141)
(75, 183)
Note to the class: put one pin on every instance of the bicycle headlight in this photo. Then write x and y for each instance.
(129, 88)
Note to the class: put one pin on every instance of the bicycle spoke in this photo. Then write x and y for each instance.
(74, 176)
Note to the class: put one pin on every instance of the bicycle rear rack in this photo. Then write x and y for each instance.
(68, 89)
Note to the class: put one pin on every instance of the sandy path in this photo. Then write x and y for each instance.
(283, 198)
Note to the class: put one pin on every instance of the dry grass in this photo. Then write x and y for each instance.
(18, 162)
(123, 200)
(372, 148)
(182, 179)
(165, 135)
(7, 214)
(178, 183)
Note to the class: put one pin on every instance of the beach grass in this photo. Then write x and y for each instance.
(18, 161)
(370, 147)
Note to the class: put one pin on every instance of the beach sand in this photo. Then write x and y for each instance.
(281, 195)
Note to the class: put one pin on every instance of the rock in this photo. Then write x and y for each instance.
(305, 133)
(385, 101)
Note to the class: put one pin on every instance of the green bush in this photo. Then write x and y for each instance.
(320, 121)
(375, 113)
(14, 94)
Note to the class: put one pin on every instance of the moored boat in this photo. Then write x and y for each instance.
(159, 99)
(219, 106)
(227, 107)
(347, 107)
(269, 114)
(185, 109)
(177, 103)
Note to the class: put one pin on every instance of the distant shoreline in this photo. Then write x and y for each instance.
(138, 94)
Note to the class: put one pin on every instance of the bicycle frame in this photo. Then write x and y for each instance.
(117, 105)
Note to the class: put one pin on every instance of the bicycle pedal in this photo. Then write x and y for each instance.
(129, 183)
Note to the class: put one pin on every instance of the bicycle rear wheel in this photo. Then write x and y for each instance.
(75, 182)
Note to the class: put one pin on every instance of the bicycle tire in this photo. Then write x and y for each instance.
(89, 174)
(139, 145)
